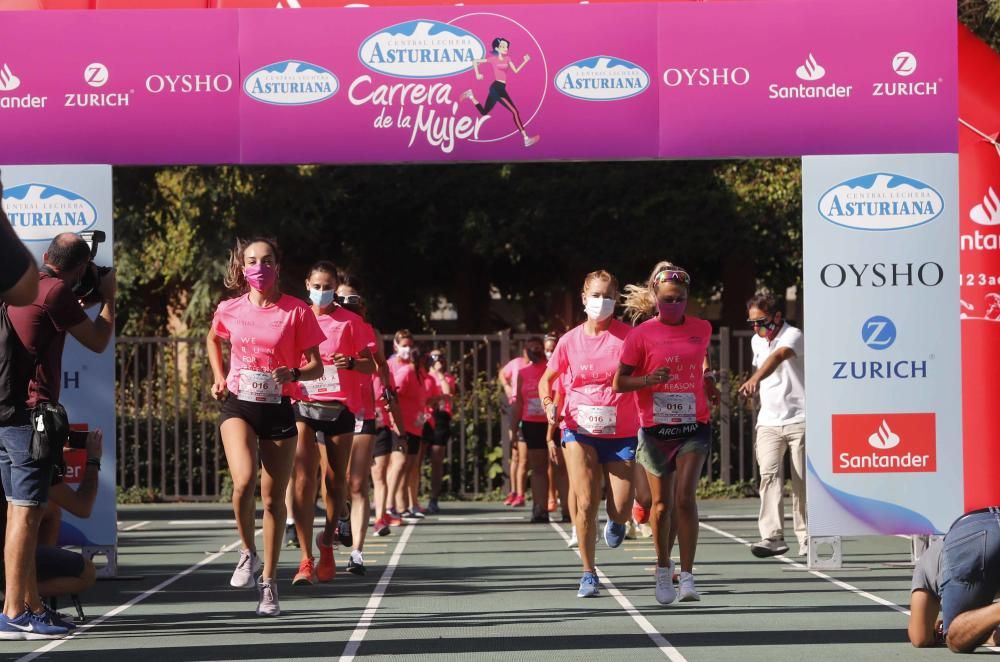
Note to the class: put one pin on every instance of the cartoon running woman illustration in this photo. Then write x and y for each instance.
(500, 61)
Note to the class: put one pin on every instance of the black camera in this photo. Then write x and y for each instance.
(86, 289)
(77, 439)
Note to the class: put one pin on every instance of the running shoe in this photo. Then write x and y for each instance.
(509, 501)
(468, 95)
(291, 537)
(553, 505)
(58, 619)
(768, 547)
(639, 514)
(573, 542)
(381, 527)
(804, 548)
(433, 508)
(614, 533)
(245, 575)
(588, 586)
(344, 533)
(688, 592)
(412, 515)
(28, 626)
(267, 605)
(327, 568)
(665, 592)
(393, 518)
(528, 142)
(518, 501)
(356, 566)
(645, 530)
(540, 518)
(631, 532)
(306, 576)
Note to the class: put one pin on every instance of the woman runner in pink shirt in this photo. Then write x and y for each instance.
(664, 361)
(508, 382)
(499, 60)
(269, 333)
(328, 406)
(528, 416)
(601, 424)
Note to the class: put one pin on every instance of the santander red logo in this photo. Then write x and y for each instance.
(884, 443)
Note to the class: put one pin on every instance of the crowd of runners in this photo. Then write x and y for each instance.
(609, 412)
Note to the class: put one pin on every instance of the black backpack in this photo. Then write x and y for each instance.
(17, 366)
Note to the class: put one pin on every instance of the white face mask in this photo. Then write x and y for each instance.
(548, 355)
(404, 352)
(599, 308)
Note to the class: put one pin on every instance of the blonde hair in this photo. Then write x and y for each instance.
(602, 275)
(235, 280)
(639, 300)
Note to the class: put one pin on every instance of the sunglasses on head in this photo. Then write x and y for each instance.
(675, 275)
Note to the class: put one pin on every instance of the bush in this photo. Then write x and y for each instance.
(134, 495)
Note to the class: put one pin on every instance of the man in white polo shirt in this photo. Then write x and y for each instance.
(781, 423)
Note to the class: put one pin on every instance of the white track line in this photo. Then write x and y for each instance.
(836, 582)
(661, 642)
(131, 603)
(354, 643)
(133, 527)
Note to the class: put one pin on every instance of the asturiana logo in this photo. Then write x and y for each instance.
(602, 78)
(881, 201)
(291, 83)
(421, 49)
(39, 212)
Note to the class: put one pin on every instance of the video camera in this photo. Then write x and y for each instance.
(86, 289)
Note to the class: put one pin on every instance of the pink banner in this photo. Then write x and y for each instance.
(119, 87)
(497, 83)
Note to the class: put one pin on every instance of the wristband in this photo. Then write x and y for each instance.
(296, 373)
(94, 462)
(350, 363)
(645, 380)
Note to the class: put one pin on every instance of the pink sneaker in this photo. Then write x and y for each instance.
(518, 501)
(509, 501)
(528, 142)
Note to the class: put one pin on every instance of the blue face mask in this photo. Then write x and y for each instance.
(322, 298)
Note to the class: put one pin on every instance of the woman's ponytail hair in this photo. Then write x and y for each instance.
(639, 299)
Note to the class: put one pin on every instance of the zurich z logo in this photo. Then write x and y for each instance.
(878, 332)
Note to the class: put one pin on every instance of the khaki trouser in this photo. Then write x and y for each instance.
(770, 446)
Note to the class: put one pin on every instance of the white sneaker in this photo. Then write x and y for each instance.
(573, 542)
(267, 605)
(665, 592)
(688, 592)
(804, 548)
(529, 141)
(631, 532)
(245, 575)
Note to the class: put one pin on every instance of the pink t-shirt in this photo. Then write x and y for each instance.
(510, 372)
(345, 334)
(531, 404)
(412, 396)
(682, 348)
(499, 67)
(588, 365)
(447, 405)
(263, 339)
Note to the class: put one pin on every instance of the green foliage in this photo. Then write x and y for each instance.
(983, 18)
(719, 490)
(135, 495)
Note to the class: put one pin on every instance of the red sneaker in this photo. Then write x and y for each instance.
(639, 514)
(553, 505)
(306, 575)
(518, 501)
(381, 527)
(509, 501)
(393, 519)
(327, 568)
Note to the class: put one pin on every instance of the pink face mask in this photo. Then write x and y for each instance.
(260, 276)
(671, 313)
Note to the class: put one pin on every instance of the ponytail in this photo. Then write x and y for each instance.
(639, 300)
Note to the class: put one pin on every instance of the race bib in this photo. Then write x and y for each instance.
(328, 383)
(674, 408)
(534, 407)
(597, 420)
(259, 387)
(358, 425)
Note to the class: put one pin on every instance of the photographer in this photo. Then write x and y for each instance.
(78, 502)
(40, 333)
(18, 274)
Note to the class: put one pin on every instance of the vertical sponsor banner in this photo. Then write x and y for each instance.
(883, 371)
(41, 202)
(505, 83)
(979, 163)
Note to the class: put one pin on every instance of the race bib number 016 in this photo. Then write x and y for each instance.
(328, 383)
(597, 420)
(674, 408)
(259, 387)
